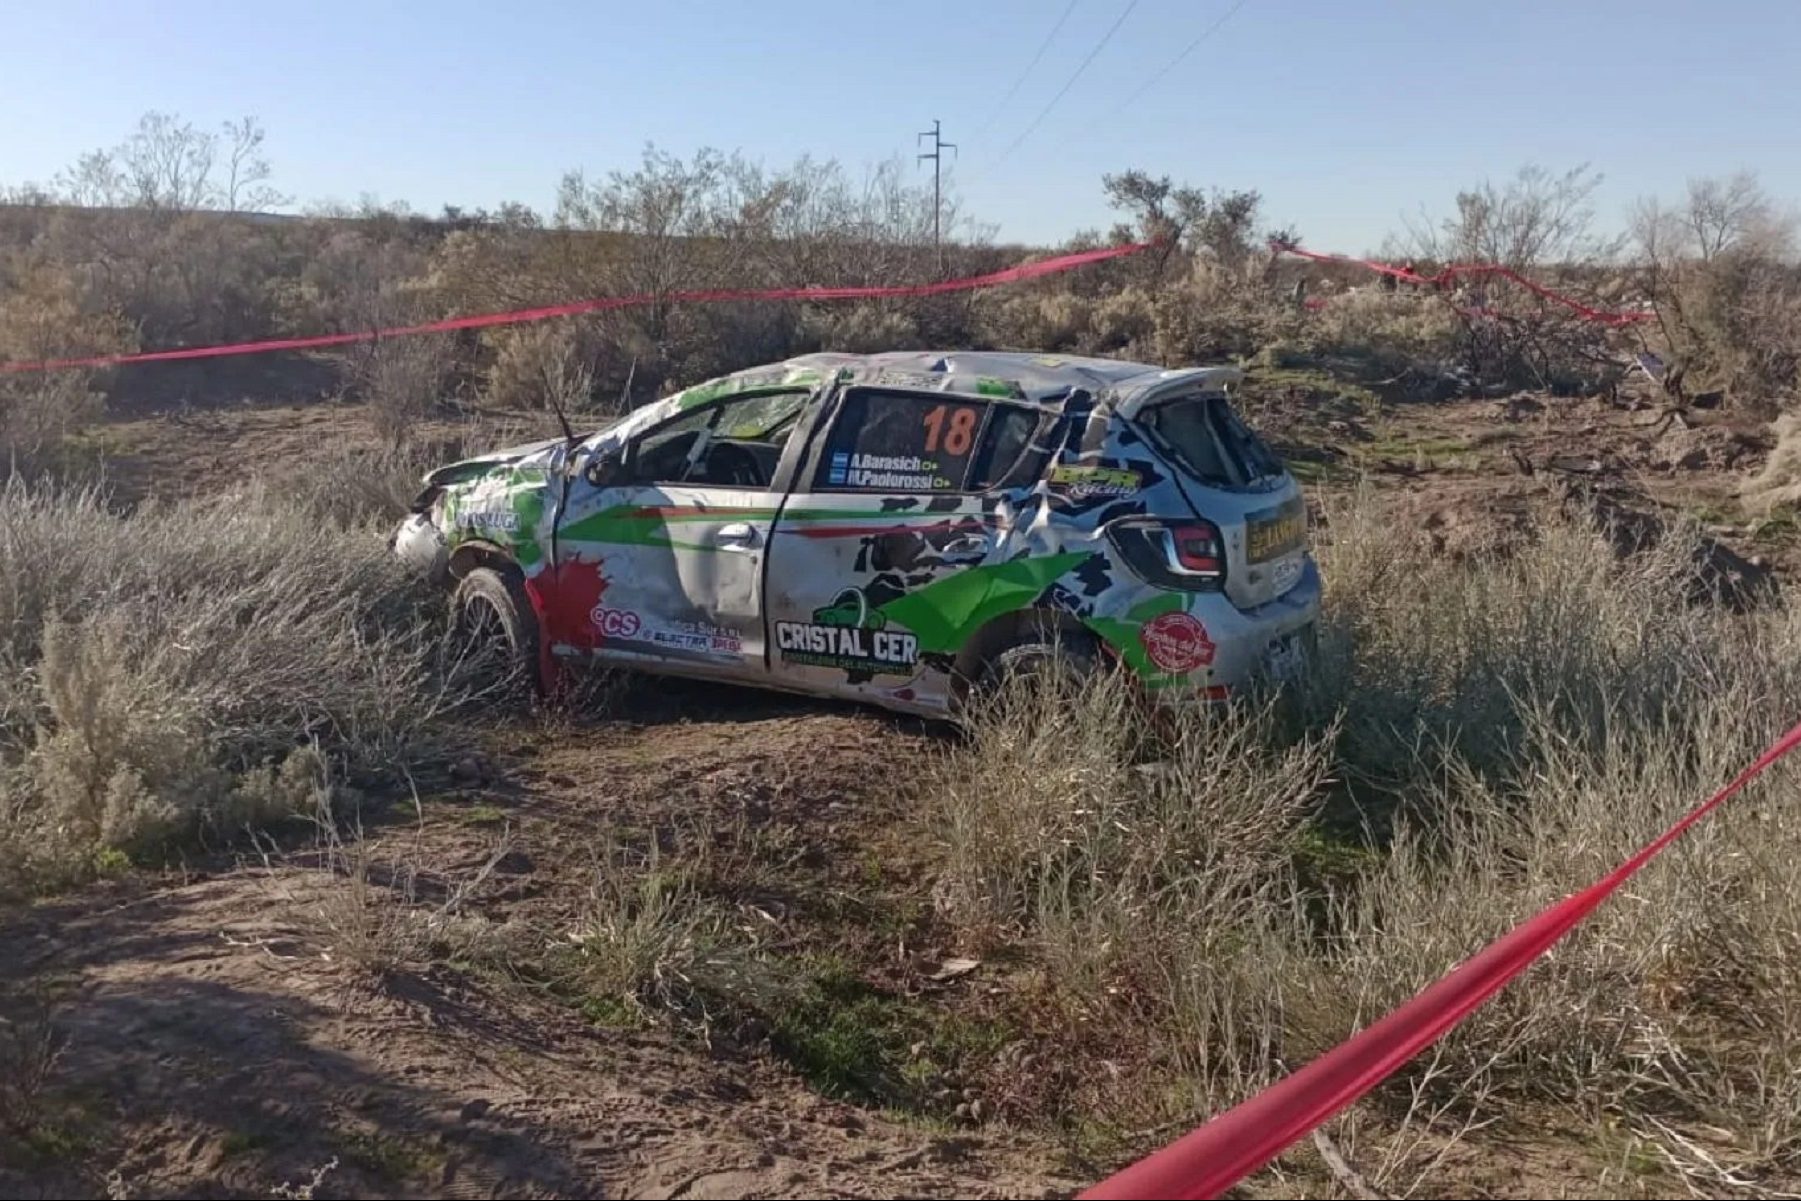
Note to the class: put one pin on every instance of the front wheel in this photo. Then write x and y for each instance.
(493, 630)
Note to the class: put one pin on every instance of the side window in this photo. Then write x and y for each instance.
(736, 443)
(1001, 460)
(895, 442)
(660, 455)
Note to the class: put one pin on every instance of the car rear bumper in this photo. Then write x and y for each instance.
(418, 543)
(1272, 640)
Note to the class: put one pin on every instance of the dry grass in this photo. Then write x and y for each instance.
(30, 1047)
(1242, 890)
(647, 941)
(380, 911)
(1778, 485)
(178, 672)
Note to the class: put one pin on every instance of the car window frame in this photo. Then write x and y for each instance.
(806, 480)
(784, 467)
(1144, 420)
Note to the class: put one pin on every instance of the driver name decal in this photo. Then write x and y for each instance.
(890, 473)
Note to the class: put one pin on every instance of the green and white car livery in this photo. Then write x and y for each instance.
(892, 528)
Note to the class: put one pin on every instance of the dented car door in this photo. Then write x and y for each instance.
(890, 499)
(665, 541)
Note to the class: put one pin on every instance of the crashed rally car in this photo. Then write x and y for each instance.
(893, 528)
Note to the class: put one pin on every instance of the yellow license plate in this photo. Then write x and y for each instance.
(1273, 533)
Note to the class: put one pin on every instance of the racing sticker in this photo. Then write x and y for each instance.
(898, 442)
(616, 623)
(701, 637)
(1082, 482)
(886, 473)
(1177, 643)
(488, 521)
(697, 637)
(850, 636)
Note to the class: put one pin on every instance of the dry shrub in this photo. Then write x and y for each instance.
(1409, 329)
(1533, 719)
(1213, 311)
(1041, 318)
(1509, 728)
(354, 485)
(1124, 323)
(39, 412)
(186, 668)
(1203, 313)
(544, 366)
(402, 380)
(859, 329)
(1423, 651)
(41, 317)
(1778, 485)
(31, 1046)
(1136, 865)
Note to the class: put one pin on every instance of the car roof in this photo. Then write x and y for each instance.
(1040, 378)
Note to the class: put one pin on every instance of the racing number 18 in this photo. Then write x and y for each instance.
(955, 428)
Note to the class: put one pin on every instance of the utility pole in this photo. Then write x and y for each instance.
(939, 146)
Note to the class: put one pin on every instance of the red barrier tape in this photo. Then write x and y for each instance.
(1230, 1147)
(1010, 275)
(1444, 278)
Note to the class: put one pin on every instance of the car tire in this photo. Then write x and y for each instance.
(1074, 653)
(489, 612)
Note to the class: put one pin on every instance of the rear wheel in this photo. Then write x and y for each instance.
(1070, 657)
(493, 631)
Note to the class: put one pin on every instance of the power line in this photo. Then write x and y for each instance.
(1173, 63)
(1027, 73)
(1068, 84)
(939, 146)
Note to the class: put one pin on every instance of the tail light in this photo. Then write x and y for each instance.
(1190, 555)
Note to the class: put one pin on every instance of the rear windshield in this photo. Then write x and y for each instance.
(1209, 441)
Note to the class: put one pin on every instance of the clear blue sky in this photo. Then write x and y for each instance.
(1346, 114)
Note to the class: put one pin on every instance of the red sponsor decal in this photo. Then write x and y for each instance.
(565, 597)
(616, 623)
(1177, 642)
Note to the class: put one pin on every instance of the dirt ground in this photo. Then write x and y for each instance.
(213, 1043)
(215, 1048)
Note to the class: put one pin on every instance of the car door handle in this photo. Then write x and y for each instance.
(739, 535)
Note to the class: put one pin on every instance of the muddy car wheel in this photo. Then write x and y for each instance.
(492, 627)
(1071, 657)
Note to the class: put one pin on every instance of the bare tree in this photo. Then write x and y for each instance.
(247, 171)
(1537, 217)
(663, 207)
(1718, 268)
(1221, 224)
(1724, 214)
(169, 165)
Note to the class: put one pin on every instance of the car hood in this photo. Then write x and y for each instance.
(467, 469)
